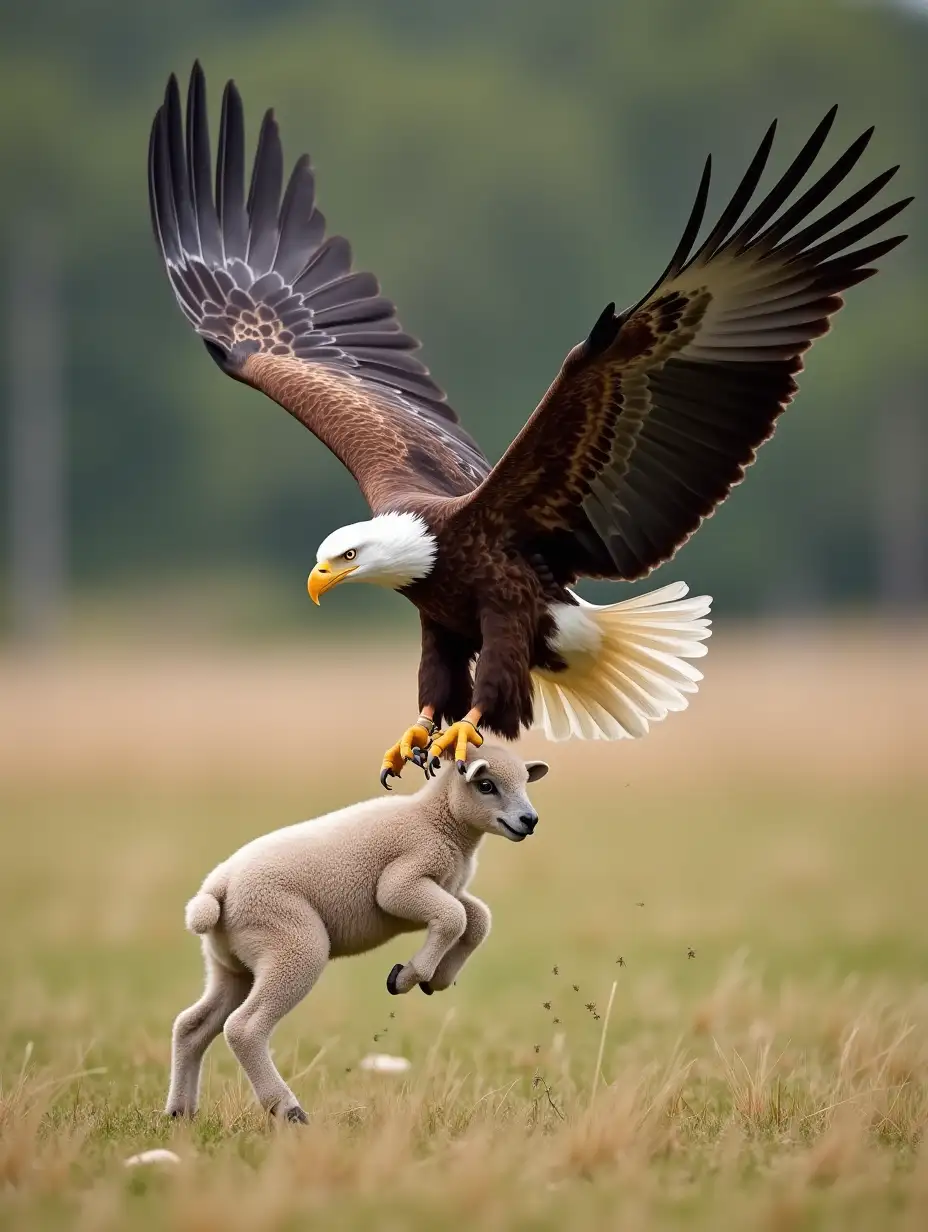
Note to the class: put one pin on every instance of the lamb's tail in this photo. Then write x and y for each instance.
(626, 664)
(202, 913)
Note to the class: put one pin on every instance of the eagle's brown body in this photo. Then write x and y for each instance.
(507, 623)
(646, 428)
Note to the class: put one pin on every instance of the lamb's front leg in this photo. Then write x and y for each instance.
(479, 920)
(408, 895)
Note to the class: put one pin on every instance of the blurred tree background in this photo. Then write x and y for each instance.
(506, 170)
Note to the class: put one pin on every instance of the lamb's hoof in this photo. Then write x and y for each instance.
(426, 987)
(391, 980)
(297, 1116)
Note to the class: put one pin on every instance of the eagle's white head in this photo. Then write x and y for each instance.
(392, 550)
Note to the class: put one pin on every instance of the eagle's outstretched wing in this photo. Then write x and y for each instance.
(279, 308)
(654, 418)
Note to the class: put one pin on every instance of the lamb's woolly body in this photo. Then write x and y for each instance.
(274, 913)
(335, 862)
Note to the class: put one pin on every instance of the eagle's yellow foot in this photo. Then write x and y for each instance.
(412, 747)
(458, 736)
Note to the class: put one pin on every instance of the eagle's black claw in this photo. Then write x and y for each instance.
(391, 980)
(384, 775)
(461, 765)
(426, 987)
(435, 764)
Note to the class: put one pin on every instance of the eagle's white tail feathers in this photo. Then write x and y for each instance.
(626, 664)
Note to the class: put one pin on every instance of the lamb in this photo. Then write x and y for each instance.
(273, 914)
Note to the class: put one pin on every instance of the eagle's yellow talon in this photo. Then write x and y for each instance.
(392, 765)
(412, 746)
(459, 735)
(417, 737)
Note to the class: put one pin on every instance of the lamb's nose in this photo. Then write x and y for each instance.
(530, 821)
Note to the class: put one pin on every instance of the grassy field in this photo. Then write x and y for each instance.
(704, 1003)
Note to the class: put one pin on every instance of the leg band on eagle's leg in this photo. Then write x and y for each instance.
(458, 736)
(413, 746)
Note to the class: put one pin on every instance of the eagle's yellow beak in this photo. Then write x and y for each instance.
(324, 577)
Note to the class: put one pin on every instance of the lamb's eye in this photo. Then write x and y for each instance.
(485, 787)
(350, 554)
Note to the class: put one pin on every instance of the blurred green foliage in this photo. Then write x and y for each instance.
(506, 170)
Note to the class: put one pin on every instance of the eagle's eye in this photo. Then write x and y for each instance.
(351, 554)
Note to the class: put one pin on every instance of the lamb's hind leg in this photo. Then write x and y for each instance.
(288, 957)
(196, 1028)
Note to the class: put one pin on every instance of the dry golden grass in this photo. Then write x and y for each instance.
(777, 1079)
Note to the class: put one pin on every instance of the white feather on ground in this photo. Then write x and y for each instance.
(383, 1063)
(159, 1155)
(626, 664)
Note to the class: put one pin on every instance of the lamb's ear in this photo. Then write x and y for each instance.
(536, 770)
(475, 767)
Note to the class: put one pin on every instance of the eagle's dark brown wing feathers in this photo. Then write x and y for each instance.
(199, 172)
(278, 306)
(230, 176)
(654, 418)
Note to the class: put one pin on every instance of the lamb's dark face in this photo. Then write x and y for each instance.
(492, 794)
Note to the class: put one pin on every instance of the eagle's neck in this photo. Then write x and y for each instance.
(405, 549)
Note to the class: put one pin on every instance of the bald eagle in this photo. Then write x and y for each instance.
(650, 422)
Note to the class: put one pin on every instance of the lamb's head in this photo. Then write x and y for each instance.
(491, 794)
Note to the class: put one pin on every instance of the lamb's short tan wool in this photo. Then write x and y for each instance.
(274, 913)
